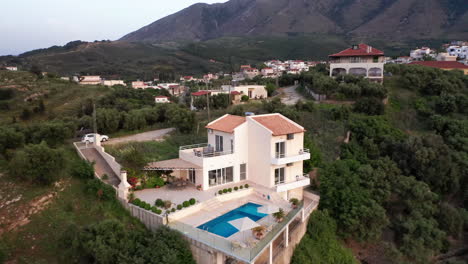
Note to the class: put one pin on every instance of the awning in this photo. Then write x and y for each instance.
(172, 164)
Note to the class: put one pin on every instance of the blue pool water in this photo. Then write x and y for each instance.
(220, 225)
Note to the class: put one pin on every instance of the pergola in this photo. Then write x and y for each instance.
(172, 164)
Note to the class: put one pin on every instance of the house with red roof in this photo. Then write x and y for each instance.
(443, 65)
(359, 60)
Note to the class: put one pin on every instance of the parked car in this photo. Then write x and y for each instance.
(89, 138)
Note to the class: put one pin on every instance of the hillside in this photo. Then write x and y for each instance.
(359, 19)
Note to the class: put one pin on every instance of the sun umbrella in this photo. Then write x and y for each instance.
(268, 209)
(243, 224)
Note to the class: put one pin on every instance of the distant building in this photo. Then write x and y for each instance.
(359, 60)
(139, 85)
(161, 99)
(250, 73)
(113, 82)
(89, 80)
(186, 78)
(252, 91)
(173, 88)
(444, 65)
(268, 72)
(11, 68)
(403, 60)
(65, 78)
(444, 56)
(420, 54)
(460, 51)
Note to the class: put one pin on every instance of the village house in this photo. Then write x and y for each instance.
(89, 80)
(252, 91)
(264, 155)
(139, 85)
(359, 60)
(444, 65)
(445, 56)
(420, 54)
(268, 72)
(250, 73)
(460, 51)
(161, 99)
(11, 68)
(113, 82)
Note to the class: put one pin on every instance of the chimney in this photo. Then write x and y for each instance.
(369, 49)
(355, 47)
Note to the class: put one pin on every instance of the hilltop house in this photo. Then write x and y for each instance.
(250, 73)
(460, 51)
(360, 60)
(420, 54)
(89, 80)
(11, 68)
(139, 85)
(264, 154)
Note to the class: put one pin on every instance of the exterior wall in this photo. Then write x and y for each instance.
(259, 168)
(113, 82)
(257, 90)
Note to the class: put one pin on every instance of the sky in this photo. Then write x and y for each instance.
(32, 24)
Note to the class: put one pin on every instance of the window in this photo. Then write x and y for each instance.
(354, 59)
(279, 150)
(232, 145)
(192, 176)
(376, 59)
(290, 136)
(219, 143)
(220, 176)
(279, 176)
(243, 172)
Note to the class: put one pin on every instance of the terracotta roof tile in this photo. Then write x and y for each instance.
(441, 64)
(226, 123)
(278, 124)
(363, 50)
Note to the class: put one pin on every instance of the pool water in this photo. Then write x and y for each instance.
(220, 225)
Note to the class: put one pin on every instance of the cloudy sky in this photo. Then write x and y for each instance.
(31, 24)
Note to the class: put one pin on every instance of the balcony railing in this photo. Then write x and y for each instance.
(282, 158)
(204, 150)
(299, 181)
(247, 253)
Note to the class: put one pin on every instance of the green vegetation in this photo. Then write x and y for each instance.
(320, 244)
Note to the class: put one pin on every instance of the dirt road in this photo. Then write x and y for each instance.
(155, 135)
(289, 96)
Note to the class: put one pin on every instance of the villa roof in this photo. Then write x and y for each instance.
(226, 123)
(278, 124)
(161, 96)
(172, 164)
(362, 50)
(441, 64)
(200, 93)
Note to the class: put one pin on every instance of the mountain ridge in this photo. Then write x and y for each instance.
(362, 19)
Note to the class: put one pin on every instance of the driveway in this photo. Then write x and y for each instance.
(100, 165)
(154, 135)
(289, 96)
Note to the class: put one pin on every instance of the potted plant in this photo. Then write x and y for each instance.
(259, 232)
(279, 215)
(167, 204)
(294, 202)
(199, 187)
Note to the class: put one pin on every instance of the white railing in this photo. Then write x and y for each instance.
(194, 146)
(279, 155)
(204, 150)
(299, 181)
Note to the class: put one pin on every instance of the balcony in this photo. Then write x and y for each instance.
(300, 181)
(204, 154)
(281, 159)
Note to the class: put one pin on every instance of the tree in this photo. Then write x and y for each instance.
(107, 120)
(35, 69)
(109, 241)
(10, 139)
(37, 163)
(369, 106)
(320, 244)
(271, 88)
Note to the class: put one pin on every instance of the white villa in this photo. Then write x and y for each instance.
(113, 82)
(360, 60)
(252, 91)
(265, 154)
(161, 99)
(89, 80)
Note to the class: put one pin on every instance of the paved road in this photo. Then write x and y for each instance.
(289, 96)
(100, 165)
(155, 135)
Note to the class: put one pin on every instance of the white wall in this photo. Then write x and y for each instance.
(259, 165)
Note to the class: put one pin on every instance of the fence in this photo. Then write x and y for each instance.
(110, 160)
(316, 96)
(151, 220)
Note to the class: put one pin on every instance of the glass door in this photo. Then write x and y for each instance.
(279, 176)
(192, 176)
(279, 150)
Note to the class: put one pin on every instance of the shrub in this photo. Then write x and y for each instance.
(236, 188)
(192, 201)
(159, 203)
(225, 190)
(136, 202)
(186, 204)
(167, 204)
(101, 190)
(173, 210)
(245, 98)
(82, 169)
(155, 210)
(230, 190)
(246, 185)
(179, 207)
(294, 201)
(241, 187)
(220, 191)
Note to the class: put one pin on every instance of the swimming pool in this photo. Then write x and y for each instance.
(220, 225)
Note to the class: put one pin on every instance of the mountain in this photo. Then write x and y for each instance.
(358, 19)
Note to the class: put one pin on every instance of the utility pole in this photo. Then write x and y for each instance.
(208, 105)
(94, 123)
